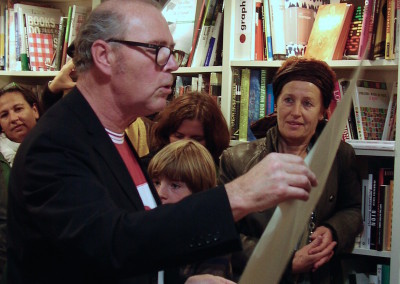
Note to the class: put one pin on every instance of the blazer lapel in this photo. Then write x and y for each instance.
(102, 143)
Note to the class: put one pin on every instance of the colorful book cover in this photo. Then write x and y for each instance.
(329, 33)
(270, 99)
(40, 51)
(371, 101)
(352, 47)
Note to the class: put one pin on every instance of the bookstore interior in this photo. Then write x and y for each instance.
(233, 48)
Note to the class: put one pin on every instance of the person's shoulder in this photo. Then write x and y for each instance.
(246, 151)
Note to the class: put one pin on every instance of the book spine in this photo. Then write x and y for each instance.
(212, 46)
(60, 42)
(263, 93)
(259, 42)
(66, 38)
(270, 99)
(244, 104)
(197, 33)
(268, 35)
(380, 215)
(358, 118)
(365, 28)
(373, 216)
(277, 12)
(389, 29)
(365, 215)
(372, 29)
(254, 95)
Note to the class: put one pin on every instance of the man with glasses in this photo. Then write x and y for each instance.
(81, 208)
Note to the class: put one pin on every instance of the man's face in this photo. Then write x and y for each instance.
(142, 85)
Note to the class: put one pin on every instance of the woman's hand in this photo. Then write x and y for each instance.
(207, 279)
(304, 261)
(63, 81)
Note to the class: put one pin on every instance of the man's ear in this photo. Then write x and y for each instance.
(102, 55)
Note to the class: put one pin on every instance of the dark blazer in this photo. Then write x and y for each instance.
(75, 215)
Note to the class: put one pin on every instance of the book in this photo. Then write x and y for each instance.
(329, 32)
(78, 17)
(390, 18)
(298, 26)
(372, 28)
(244, 104)
(267, 30)
(270, 99)
(180, 16)
(365, 31)
(254, 95)
(259, 32)
(364, 243)
(42, 25)
(213, 42)
(390, 120)
(370, 101)
(352, 47)
(215, 84)
(373, 190)
(2, 35)
(60, 42)
(66, 38)
(387, 242)
(196, 33)
(202, 42)
(382, 189)
(235, 103)
(263, 93)
(244, 30)
(277, 18)
(378, 48)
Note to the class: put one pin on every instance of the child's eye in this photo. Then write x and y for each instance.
(175, 185)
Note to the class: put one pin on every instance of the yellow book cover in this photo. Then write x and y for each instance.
(329, 32)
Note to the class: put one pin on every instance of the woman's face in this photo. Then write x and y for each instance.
(189, 129)
(17, 117)
(171, 191)
(299, 108)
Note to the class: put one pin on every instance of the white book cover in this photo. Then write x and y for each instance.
(180, 16)
(277, 17)
(244, 33)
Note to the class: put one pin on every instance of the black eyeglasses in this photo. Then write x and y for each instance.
(162, 52)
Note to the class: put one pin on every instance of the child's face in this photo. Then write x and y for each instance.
(171, 191)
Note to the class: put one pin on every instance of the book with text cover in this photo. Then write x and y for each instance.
(370, 101)
(329, 33)
(254, 95)
(40, 21)
(235, 103)
(390, 19)
(244, 33)
(298, 26)
(180, 16)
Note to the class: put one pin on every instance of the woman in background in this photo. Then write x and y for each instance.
(304, 90)
(195, 116)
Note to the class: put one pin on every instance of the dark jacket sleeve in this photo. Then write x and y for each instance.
(49, 98)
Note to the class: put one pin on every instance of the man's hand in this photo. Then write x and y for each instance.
(276, 178)
(207, 279)
(63, 81)
(303, 261)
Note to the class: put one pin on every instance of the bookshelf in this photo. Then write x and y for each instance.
(385, 70)
(41, 77)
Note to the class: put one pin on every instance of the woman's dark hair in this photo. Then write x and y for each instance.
(193, 105)
(309, 70)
